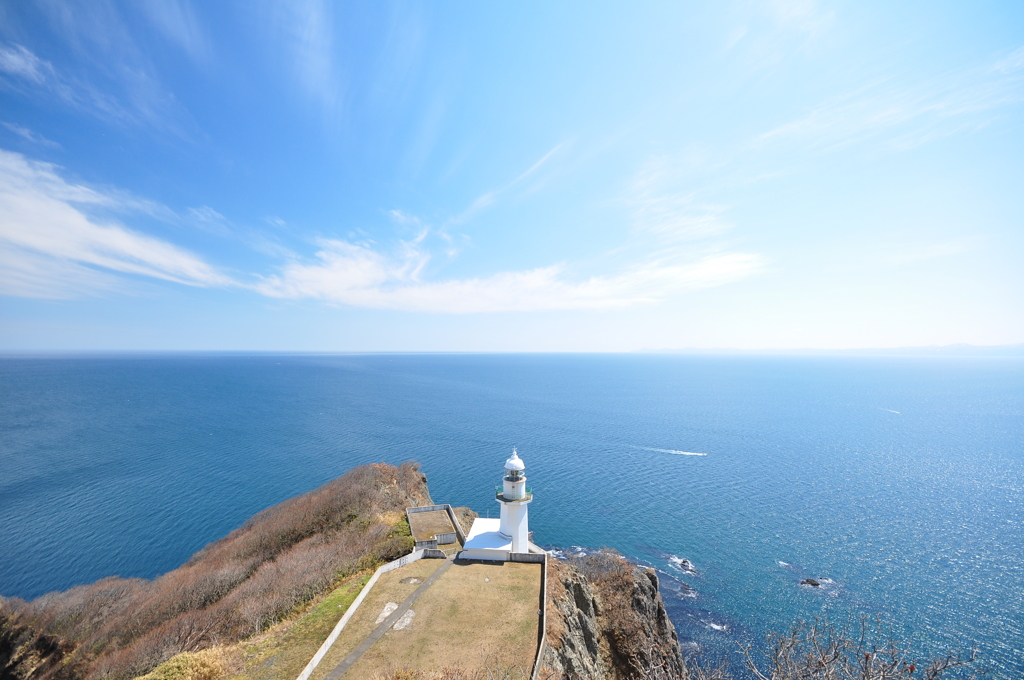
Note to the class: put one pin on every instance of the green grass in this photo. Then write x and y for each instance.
(284, 650)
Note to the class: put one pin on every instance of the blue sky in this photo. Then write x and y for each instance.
(305, 175)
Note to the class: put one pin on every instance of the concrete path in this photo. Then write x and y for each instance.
(384, 627)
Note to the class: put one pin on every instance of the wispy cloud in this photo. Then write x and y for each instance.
(909, 114)
(806, 16)
(357, 275)
(489, 198)
(33, 137)
(209, 220)
(304, 30)
(662, 204)
(17, 60)
(177, 21)
(452, 244)
(52, 247)
(27, 274)
(53, 244)
(212, 222)
(32, 75)
(109, 79)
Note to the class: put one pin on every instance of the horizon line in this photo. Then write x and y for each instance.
(950, 350)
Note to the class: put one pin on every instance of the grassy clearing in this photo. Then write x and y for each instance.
(389, 588)
(475, 616)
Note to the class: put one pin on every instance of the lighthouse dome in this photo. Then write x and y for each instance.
(515, 462)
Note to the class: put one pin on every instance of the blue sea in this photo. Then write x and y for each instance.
(896, 482)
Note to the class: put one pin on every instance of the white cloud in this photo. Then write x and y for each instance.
(351, 274)
(361, 274)
(52, 245)
(24, 273)
(52, 248)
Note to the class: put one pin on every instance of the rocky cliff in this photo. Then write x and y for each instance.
(607, 621)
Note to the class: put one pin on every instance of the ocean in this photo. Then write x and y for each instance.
(896, 482)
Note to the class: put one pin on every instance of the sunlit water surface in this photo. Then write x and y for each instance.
(899, 480)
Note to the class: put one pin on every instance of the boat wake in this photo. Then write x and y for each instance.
(672, 451)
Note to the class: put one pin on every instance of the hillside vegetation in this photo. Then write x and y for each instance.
(234, 588)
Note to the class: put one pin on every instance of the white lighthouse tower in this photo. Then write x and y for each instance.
(507, 538)
(513, 496)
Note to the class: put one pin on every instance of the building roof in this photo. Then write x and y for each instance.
(515, 462)
(485, 535)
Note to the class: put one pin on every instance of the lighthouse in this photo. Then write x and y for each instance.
(508, 537)
(514, 497)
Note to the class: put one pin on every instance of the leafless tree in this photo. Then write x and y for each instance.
(821, 651)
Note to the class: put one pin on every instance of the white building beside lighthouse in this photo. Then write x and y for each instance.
(509, 535)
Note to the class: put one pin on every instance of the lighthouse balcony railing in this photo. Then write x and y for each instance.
(499, 493)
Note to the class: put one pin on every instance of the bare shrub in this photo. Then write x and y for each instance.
(821, 650)
(237, 586)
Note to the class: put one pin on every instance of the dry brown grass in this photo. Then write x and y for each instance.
(475, 617)
(389, 588)
(208, 664)
(233, 588)
(496, 671)
(426, 525)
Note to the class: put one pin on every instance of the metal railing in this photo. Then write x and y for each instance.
(499, 493)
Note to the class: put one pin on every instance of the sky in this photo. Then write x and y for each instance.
(301, 175)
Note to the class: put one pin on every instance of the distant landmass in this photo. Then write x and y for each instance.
(960, 349)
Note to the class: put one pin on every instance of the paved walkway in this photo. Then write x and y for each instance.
(379, 631)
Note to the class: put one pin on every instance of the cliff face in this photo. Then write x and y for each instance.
(607, 621)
